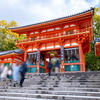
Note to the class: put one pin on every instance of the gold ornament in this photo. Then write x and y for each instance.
(52, 53)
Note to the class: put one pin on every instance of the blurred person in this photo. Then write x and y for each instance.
(57, 66)
(4, 73)
(23, 69)
(50, 65)
(16, 73)
(9, 75)
(1, 70)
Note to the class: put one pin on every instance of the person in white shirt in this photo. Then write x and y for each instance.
(16, 73)
(4, 73)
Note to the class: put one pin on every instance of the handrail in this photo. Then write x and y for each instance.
(60, 34)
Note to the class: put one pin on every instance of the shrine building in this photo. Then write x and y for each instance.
(60, 39)
(12, 56)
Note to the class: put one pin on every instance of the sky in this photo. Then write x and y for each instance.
(26, 12)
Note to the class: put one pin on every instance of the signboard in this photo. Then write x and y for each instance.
(62, 52)
(38, 55)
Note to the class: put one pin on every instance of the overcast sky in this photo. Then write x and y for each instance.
(26, 12)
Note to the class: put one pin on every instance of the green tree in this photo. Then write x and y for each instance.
(2, 36)
(8, 38)
(92, 61)
(96, 21)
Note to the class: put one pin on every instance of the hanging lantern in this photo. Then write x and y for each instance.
(52, 53)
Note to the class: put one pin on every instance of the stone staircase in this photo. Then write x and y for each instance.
(60, 86)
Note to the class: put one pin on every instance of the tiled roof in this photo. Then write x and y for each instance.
(17, 51)
(92, 9)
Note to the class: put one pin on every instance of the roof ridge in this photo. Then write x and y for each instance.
(54, 19)
(18, 51)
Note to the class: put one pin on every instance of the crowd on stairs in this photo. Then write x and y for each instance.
(16, 72)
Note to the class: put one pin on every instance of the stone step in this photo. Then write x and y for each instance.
(62, 80)
(58, 86)
(56, 89)
(49, 96)
(63, 83)
(65, 79)
(66, 86)
(60, 83)
(19, 98)
(78, 74)
(78, 93)
(52, 81)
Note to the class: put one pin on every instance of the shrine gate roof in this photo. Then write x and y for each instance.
(19, 29)
(17, 51)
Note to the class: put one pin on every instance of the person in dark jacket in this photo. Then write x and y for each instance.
(57, 66)
(23, 70)
(49, 68)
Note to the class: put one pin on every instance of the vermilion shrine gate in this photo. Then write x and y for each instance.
(59, 38)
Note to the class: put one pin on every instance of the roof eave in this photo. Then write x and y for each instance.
(19, 29)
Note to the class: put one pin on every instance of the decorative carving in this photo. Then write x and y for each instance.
(61, 42)
(37, 45)
(23, 47)
(81, 38)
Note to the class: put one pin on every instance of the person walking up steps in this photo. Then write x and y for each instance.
(57, 66)
(1, 70)
(23, 70)
(4, 73)
(49, 67)
(16, 73)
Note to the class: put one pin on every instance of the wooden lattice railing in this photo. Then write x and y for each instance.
(55, 35)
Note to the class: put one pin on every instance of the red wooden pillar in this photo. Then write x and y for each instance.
(12, 61)
(81, 58)
(84, 69)
(45, 64)
(62, 66)
(25, 56)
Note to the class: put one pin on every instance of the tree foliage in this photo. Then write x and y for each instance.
(92, 61)
(96, 21)
(8, 38)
